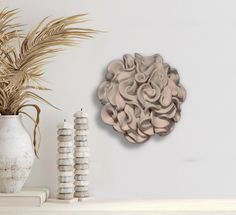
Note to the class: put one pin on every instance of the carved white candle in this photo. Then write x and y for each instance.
(81, 155)
(65, 161)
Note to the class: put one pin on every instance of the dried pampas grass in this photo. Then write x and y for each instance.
(22, 59)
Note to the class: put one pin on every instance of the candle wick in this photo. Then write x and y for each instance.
(64, 120)
(81, 109)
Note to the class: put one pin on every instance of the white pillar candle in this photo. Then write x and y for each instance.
(81, 155)
(65, 161)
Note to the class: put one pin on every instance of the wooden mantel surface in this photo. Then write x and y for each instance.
(128, 207)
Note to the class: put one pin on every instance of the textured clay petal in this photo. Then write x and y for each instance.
(166, 97)
(108, 114)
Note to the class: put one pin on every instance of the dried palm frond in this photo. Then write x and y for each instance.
(8, 30)
(9, 33)
(21, 70)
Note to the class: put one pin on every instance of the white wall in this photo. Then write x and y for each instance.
(199, 39)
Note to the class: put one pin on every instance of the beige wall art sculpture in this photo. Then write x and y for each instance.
(141, 96)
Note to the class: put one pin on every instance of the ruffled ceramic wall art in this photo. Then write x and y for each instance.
(141, 96)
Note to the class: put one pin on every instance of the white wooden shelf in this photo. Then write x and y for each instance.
(118, 207)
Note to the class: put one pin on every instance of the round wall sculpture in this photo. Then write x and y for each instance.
(141, 96)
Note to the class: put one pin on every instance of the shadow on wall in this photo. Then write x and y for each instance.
(112, 133)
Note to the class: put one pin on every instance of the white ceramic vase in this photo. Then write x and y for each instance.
(16, 154)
